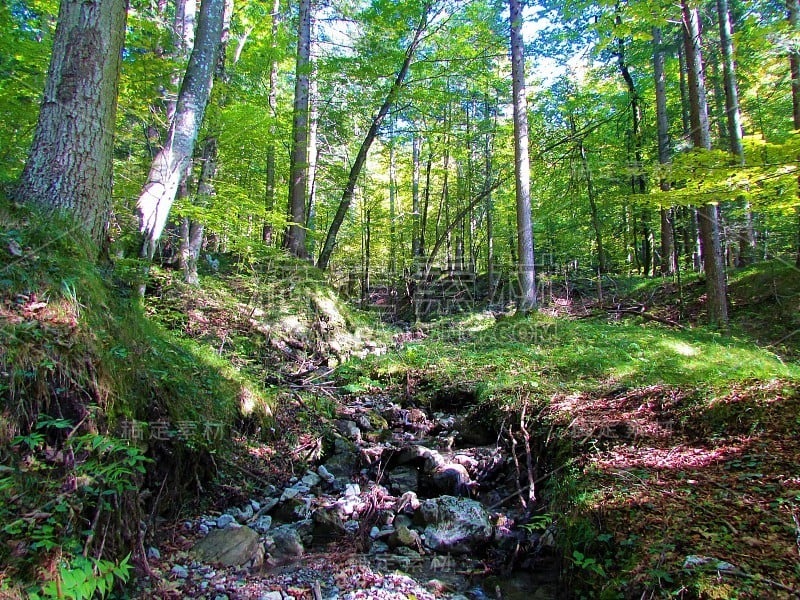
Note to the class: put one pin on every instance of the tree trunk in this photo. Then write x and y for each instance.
(361, 157)
(158, 194)
(295, 240)
(717, 304)
(313, 161)
(415, 211)
(69, 167)
(794, 65)
(393, 208)
(595, 216)
(684, 88)
(272, 102)
(527, 267)
(668, 255)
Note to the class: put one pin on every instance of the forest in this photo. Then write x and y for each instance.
(399, 299)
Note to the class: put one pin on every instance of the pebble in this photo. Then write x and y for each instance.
(224, 520)
(153, 553)
(180, 572)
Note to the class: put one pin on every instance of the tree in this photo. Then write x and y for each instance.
(169, 165)
(526, 269)
(295, 240)
(69, 167)
(716, 300)
(361, 157)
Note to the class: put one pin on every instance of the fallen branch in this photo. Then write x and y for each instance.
(645, 315)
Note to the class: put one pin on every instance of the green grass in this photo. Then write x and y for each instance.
(549, 355)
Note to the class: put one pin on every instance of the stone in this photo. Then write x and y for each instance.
(352, 490)
(342, 465)
(374, 532)
(180, 571)
(224, 520)
(295, 509)
(379, 547)
(325, 474)
(408, 502)
(229, 547)
(404, 479)
(452, 478)
(328, 525)
(271, 596)
(457, 525)
(284, 543)
(255, 505)
(403, 536)
(262, 524)
(153, 553)
(311, 479)
(242, 515)
(348, 429)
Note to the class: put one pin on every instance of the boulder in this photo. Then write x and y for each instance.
(284, 544)
(404, 479)
(235, 547)
(457, 525)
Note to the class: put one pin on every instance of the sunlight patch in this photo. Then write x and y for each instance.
(681, 348)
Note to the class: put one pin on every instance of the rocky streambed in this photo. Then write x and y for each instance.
(410, 504)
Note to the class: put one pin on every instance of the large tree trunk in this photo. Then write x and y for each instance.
(361, 157)
(668, 255)
(716, 301)
(69, 167)
(295, 240)
(416, 234)
(158, 194)
(527, 267)
(747, 241)
(794, 65)
(272, 102)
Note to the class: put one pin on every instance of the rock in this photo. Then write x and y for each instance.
(408, 502)
(457, 525)
(402, 521)
(230, 547)
(153, 553)
(452, 478)
(224, 521)
(379, 547)
(180, 572)
(325, 474)
(284, 544)
(271, 596)
(342, 465)
(328, 525)
(352, 490)
(241, 515)
(352, 527)
(262, 524)
(693, 561)
(204, 529)
(311, 479)
(348, 429)
(374, 532)
(255, 505)
(403, 536)
(404, 479)
(268, 504)
(295, 509)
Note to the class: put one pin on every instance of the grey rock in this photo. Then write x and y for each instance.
(374, 532)
(221, 597)
(402, 521)
(268, 504)
(325, 474)
(153, 553)
(379, 547)
(404, 479)
(342, 465)
(203, 529)
(352, 489)
(230, 547)
(452, 478)
(348, 429)
(255, 505)
(457, 525)
(295, 509)
(352, 527)
(224, 520)
(311, 479)
(403, 536)
(328, 525)
(242, 515)
(271, 596)
(284, 543)
(262, 524)
(180, 571)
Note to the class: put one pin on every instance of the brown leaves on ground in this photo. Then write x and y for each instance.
(675, 475)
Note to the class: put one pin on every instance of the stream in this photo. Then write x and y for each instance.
(409, 503)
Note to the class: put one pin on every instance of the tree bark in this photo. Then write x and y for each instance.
(69, 167)
(416, 234)
(708, 217)
(527, 267)
(794, 66)
(272, 102)
(295, 240)
(361, 157)
(668, 255)
(158, 194)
